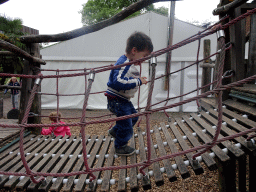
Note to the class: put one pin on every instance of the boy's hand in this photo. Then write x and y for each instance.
(143, 80)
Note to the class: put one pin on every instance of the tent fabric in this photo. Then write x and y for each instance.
(104, 47)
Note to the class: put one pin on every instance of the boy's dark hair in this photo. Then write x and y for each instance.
(139, 40)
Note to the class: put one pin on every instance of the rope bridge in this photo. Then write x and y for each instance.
(86, 148)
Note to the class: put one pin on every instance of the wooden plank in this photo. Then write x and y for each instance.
(57, 185)
(14, 165)
(122, 175)
(247, 89)
(81, 183)
(145, 183)
(156, 167)
(134, 186)
(79, 165)
(230, 132)
(196, 167)
(57, 163)
(107, 174)
(100, 163)
(209, 161)
(42, 149)
(36, 162)
(228, 113)
(235, 126)
(232, 148)
(219, 153)
(167, 164)
(243, 98)
(19, 167)
(179, 161)
(7, 135)
(240, 107)
(14, 148)
(48, 162)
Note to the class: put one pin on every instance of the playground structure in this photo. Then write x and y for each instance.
(224, 131)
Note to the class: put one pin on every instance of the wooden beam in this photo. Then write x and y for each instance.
(226, 8)
(237, 37)
(251, 68)
(206, 72)
(27, 85)
(17, 51)
(9, 87)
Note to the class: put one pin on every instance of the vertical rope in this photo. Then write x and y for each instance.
(140, 117)
(153, 64)
(87, 93)
(57, 93)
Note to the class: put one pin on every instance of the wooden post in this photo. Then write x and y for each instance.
(206, 72)
(27, 85)
(251, 68)
(242, 174)
(252, 173)
(237, 37)
(227, 175)
(1, 107)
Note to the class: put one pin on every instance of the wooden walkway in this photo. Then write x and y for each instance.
(7, 135)
(52, 155)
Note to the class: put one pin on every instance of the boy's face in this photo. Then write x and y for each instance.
(139, 54)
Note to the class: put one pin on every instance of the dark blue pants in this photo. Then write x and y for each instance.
(123, 128)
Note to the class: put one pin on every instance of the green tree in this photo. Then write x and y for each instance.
(10, 30)
(95, 11)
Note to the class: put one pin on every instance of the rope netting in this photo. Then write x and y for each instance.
(89, 74)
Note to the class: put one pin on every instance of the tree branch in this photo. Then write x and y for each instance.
(17, 51)
(92, 28)
(3, 1)
(225, 8)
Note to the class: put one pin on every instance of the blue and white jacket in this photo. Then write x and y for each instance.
(13, 91)
(123, 82)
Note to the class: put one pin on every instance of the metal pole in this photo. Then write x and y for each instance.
(170, 42)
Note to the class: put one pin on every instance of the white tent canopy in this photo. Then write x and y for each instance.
(104, 47)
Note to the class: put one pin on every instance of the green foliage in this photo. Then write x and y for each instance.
(10, 30)
(95, 11)
(161, 10)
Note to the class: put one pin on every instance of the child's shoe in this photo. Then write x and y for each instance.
(112, 133)
(125, 150)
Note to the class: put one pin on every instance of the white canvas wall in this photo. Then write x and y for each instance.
(104, 47)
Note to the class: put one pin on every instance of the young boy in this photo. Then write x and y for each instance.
(122, 85)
